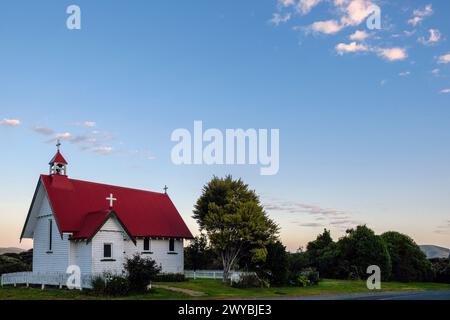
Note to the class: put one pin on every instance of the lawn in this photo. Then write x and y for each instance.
(215, 289)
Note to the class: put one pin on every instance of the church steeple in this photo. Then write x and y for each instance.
(58, 165)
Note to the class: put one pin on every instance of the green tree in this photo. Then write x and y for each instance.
(322, 254)
(198, 255)
(409, 263)
(234, 220)
(276, 265)
(359, 249)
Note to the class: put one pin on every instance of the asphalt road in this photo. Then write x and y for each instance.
(417, 295)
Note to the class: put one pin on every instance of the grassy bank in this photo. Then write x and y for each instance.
(215, 289)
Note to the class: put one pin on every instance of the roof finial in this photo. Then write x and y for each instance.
(58, 144)
(165, 189)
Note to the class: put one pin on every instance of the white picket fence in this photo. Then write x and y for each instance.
(43, 279)
(215, 274)
(60, 279)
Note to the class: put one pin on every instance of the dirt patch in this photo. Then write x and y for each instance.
(189, 292)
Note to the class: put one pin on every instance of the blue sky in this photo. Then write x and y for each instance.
(364, 117)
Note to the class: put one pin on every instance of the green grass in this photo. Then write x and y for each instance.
(215, 289)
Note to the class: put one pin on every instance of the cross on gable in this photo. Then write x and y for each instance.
(111, 200)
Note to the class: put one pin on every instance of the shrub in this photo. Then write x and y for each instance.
(441, 269)
(170, 277)
(117, 286)
(300, 281)
(140, 272)
(9, 264)
(250, 281)
(312, 275)
(98, 284)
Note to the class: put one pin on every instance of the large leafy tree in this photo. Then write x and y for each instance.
(234, 220)
(322, 254)
(361, 248)
(409, 263)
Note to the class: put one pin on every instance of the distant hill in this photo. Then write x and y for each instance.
(10, 250)
(433, 252)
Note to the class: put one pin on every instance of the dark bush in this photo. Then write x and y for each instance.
(117, 286)
(312, 275)
(98, 284)
(170, 277)
(140, 272)
(10, 264)
(300, 281)
(441, 270)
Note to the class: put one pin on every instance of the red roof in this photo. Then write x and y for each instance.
(81, 208)
(58, 158)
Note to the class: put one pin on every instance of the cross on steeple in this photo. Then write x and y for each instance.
(58, 144)
(165, 189)
(111, 200)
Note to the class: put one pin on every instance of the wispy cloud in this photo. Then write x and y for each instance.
(278, 18)
(444, 59)
(339, 218)
(326, 27)
(10, 122)
(445, 91)
(43, 130)
(444, 228)
(100, 149)
(404, 74)
(433, 38)
(420, 14)
(88, 124)
(305, 6)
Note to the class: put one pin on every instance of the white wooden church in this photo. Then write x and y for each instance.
(97, 226)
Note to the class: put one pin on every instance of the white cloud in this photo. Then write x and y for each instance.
(10, 122)
(89, 124)
(286, 3)
(277, 18)
(420, 14)
(43, 130)
(445, 91)
(434, 37)
(356, 11)
(444, 59)
(305, 6)
(63, 136)
(359, 35)
(392, 54)
(342, 48)
(99, 149)
(436, 71)
(327, 27)
(404, 74)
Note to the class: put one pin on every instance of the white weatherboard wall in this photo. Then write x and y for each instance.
(81, 255)
(171, 262)
(112, 233)
(58, 259)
